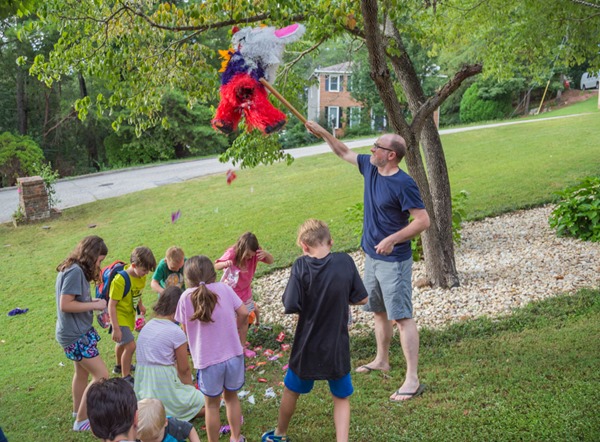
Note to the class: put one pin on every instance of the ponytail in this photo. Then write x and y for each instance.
(197, 272)
(204, 302)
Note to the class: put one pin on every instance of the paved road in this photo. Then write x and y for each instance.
(86, 189)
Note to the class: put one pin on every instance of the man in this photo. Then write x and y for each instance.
(390, 198)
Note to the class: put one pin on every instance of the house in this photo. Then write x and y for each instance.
(330, 99)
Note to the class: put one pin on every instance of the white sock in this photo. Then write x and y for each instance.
(84, 425)
(74, 414)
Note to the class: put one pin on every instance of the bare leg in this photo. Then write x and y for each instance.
(96, 368)
(234, 413)
(383, 335)
(341, 418)
(212, 418)
(286, 411)
(79, 384)
(126, 358)
(409, 339)
(119, 353)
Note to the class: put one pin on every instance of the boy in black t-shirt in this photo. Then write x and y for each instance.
(321, 286)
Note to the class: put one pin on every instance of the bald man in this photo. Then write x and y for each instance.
(391, 197)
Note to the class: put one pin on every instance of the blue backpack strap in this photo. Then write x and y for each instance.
(127, 279)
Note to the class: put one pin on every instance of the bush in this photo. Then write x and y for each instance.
(578, 212)
(18, 157)
(475, 108)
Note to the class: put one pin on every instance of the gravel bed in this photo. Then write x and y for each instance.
(503, 263)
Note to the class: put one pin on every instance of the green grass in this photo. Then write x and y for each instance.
(537, 381)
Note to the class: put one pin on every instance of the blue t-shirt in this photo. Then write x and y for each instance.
(387, 200)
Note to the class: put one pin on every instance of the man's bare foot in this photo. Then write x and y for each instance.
(406, 393)
(368, 368)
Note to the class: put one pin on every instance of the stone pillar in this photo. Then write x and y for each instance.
(33, 198)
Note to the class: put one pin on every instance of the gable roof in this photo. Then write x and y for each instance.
(341, 68)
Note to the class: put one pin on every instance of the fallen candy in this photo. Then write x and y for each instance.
(17, 311)
(285, 367)
(270, 393)
(258, 364)
(262, 380)
(268, 352)
(250, 367)
(231, 176)
(285, 347)
(280, 337)
(175, 216)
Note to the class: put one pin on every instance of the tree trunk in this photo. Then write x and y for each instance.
(21, 100)
(90, 136)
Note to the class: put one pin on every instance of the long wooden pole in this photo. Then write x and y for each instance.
(283, 100)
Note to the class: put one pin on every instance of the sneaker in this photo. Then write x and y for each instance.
(117, 369)
(84, 425)
(269, 436)
(129, 379)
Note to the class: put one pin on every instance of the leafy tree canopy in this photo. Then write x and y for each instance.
(143, 49)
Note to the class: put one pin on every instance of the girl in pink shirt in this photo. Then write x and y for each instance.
(240, 262)
(211, 314)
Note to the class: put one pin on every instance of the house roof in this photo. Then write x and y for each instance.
(341, 68)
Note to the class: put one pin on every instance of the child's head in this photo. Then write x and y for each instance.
(245, 248)
(313, 233)
(142, 259)
(198, 272)
(89, 253)
(175, 258)
(167, 302)
(112, 407)
(152, 420)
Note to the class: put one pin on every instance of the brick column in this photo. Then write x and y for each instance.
(33, 198)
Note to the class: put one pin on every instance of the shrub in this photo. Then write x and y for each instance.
(459, 213)
(475, 108)
(577, 214)
(18, 157)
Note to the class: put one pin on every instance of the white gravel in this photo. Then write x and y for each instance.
(503, 263)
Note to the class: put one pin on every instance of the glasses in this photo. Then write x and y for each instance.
(377, 146)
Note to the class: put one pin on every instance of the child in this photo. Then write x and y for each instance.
(163, 369)
(155, 426)
(113, 410)
(122, 311)
(321, 286)
(74, 330)
(212, 314)
(243, 257)
(169, 271)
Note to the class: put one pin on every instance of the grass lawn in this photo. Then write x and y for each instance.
(532, 380)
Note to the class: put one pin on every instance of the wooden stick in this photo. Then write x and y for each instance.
(283, 100)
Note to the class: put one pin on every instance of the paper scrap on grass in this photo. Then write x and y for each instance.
(270, 393)
(243, 393)
(251, 399)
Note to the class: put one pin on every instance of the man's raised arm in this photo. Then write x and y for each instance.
(338, 148)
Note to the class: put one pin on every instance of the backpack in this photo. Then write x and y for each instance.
(107, 275)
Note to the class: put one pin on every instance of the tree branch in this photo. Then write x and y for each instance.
(436, 100)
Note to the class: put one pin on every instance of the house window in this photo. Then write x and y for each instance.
(354, 116)
(334, 117)
(349, 83)
(333, 83)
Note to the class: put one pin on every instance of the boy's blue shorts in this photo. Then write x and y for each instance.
(341, 388)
